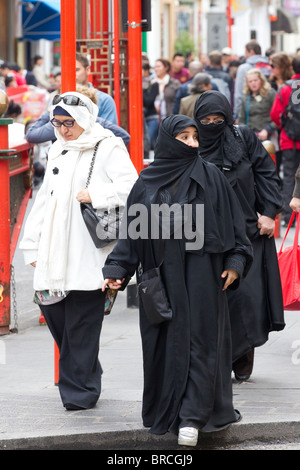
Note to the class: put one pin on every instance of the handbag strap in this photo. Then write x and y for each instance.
(288, 229)
(160, 254)
(92, 165)
(248, 109)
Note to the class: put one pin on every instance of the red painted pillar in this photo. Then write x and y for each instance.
(4, 230)
(117, 58)
(229, 22)
(68, 45)
(135, 83)
(68, 83)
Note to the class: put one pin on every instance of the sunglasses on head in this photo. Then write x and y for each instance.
(70, 100)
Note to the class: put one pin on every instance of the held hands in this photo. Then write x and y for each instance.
(266, 226)
(231, 275)
(295, 204)
(83, 196)
(112, 283)
(263, 135)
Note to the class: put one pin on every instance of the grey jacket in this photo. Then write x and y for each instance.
(259, 112)
(240, 76)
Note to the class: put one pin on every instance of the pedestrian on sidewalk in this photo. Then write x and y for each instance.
(256, 105)
(187, 361)
(295, 201)
(67, 277)
(289, 143)
(256, 308)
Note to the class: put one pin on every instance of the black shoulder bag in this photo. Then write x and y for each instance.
(102, 224)
(153, 295)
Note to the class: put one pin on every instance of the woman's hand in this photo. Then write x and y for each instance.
(112, 283)
(231, 275)
(295, 204)
(84, 196)
(266, 226)
(263, 135)
(33, 264)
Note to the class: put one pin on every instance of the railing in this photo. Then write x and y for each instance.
(15, 191)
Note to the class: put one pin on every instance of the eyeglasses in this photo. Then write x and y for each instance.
(66, 123)
(70, 100)
(206, 122)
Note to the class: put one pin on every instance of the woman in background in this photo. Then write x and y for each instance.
(257, 101)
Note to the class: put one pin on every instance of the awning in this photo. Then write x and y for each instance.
(41, 20)
(285, 23)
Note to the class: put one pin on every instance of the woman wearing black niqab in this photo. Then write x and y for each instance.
(187, 361)
(256, 308)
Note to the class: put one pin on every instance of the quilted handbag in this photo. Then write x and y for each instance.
(102, 224)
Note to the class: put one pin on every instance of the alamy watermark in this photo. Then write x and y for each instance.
(296, 91)
(296, 353)
(162, 221)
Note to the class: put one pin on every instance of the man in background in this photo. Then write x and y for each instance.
(106, 104)
(178, 70)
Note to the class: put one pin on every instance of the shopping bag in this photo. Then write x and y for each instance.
(289, 267)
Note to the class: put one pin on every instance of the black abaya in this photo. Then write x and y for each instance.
(256, 308)
(187, 361)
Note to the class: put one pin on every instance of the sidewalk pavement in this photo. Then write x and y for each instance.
(32, 415)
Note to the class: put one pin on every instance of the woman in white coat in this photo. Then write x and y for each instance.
(57, 243)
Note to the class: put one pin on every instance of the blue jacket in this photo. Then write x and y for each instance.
(43, 131)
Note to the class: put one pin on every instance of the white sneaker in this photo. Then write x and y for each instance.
(188, 436)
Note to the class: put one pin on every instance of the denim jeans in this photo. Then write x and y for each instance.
(152, 127)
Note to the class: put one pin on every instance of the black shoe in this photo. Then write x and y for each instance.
(70, 406)
(241, 378)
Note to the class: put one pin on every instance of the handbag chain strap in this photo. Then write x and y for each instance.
(92, 165)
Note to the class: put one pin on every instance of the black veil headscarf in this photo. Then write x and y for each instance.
(216, 142)
(173, 161)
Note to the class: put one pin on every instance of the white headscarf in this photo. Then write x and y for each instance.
(54, 239)
(85, 116)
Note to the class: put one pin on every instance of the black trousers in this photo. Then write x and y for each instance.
(75, 324)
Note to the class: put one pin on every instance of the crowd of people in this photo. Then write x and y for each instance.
(252, 83)
(206, 121)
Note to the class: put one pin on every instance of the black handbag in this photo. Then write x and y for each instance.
(102, 224)
(153, 296)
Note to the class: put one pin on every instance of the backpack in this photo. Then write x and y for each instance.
(290, 117)
(264, 68)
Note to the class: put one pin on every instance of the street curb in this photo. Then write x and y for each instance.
(141, 439)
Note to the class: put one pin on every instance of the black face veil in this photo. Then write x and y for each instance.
(173, 159)
(216, 141)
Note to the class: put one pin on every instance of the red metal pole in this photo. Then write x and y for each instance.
(135, 83)
(229, 22)
(56, 364)
(4, 231)
(84, 19)
(68, 82)
(68, 45)
(116, 58)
